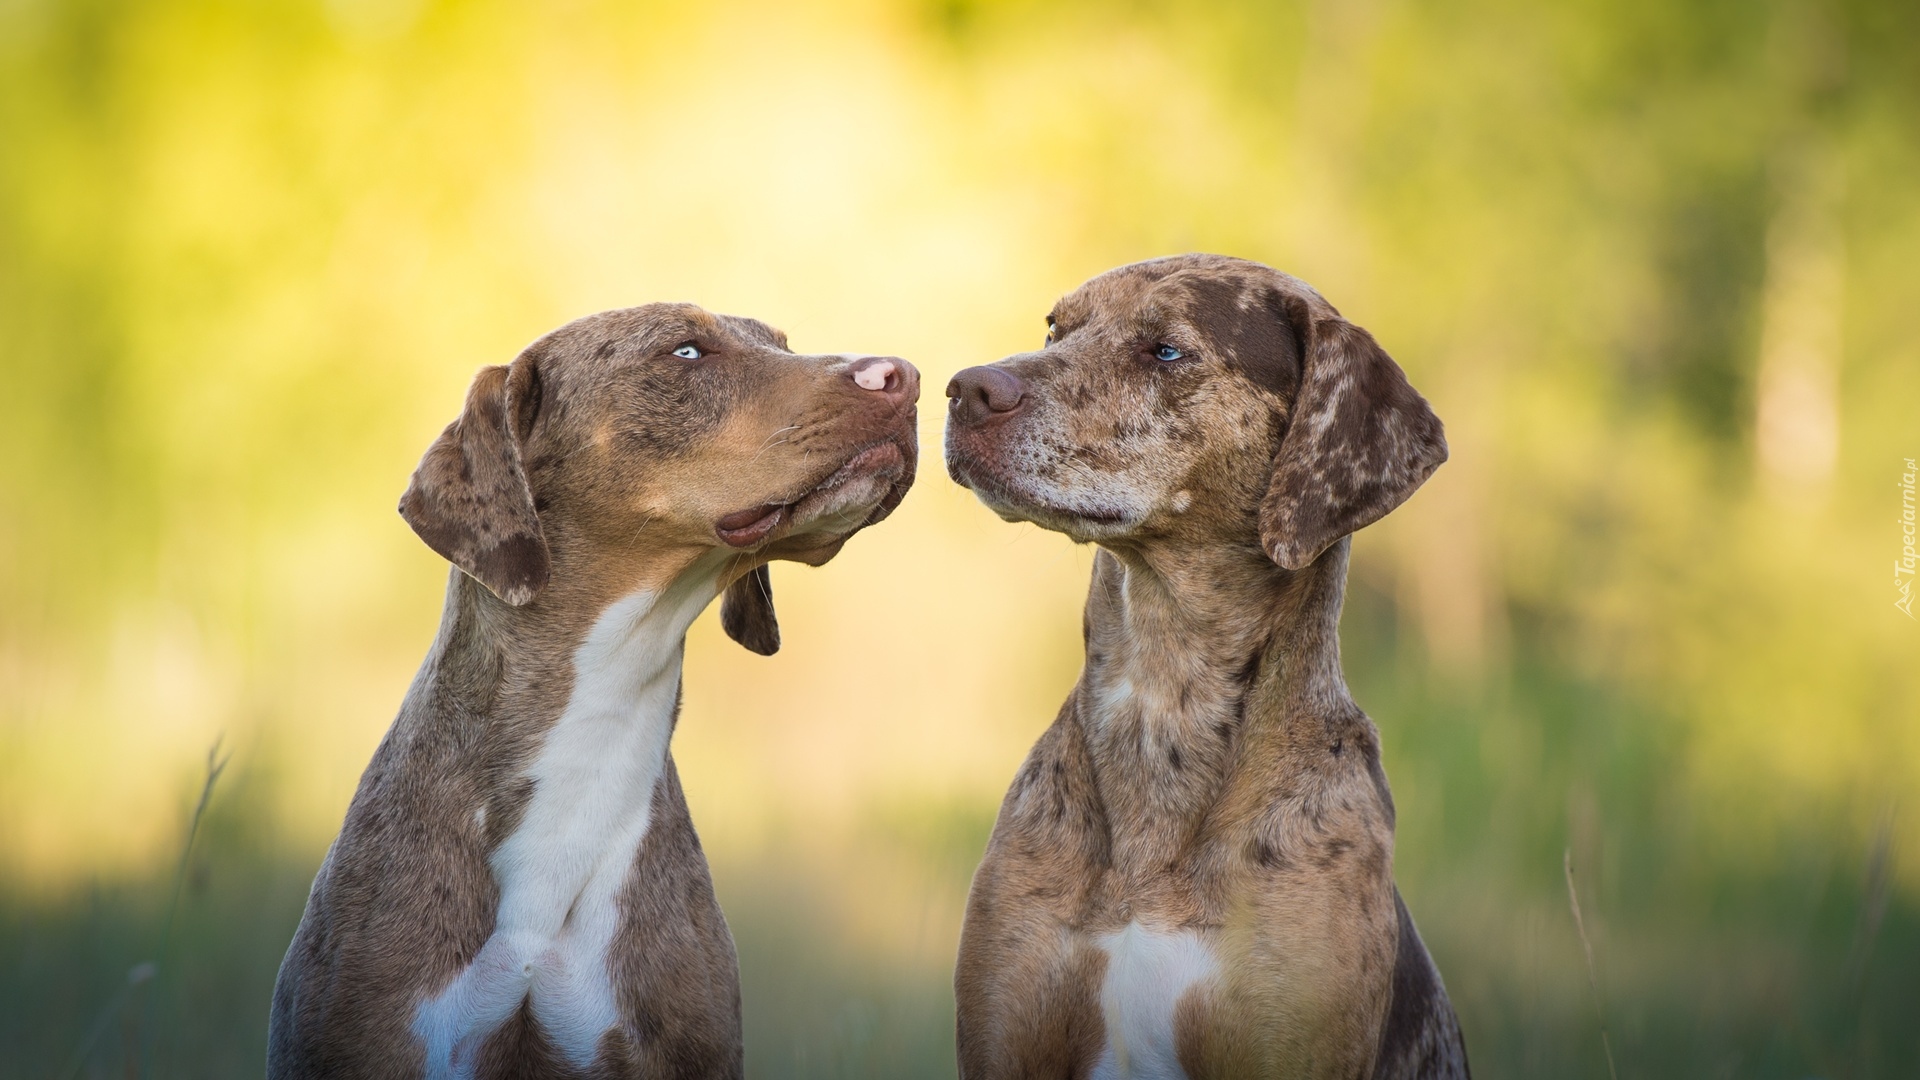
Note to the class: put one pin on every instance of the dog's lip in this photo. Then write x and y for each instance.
(745, 528)
(868, 459)
(980, 477)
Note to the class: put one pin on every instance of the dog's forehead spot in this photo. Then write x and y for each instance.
(1152, 318)
(753, 331)
(1069, 312)
(674, 327)
(1187, 306)
(620, 335)
(612, 340)
(1115, 284)
(706, 321)
(1117, 292)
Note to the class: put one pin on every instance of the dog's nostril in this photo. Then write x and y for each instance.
(887, 375)
(980, 392)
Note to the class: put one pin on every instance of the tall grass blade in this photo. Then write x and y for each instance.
(216, 764)
(136, 976)
(1873, 911)
(1593, 972)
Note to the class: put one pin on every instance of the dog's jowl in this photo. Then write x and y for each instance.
(1192, 874)
(517, 889)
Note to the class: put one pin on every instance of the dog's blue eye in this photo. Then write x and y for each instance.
(1167, 353)
(689, 351)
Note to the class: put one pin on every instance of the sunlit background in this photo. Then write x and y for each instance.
(1651, 261)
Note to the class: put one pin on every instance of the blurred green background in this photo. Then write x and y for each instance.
(1651, 261)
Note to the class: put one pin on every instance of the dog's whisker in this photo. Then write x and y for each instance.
(642, 527)
(773, 439)
(764, 449)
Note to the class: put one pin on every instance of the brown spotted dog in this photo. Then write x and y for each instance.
(518, 890)
(1192, 874)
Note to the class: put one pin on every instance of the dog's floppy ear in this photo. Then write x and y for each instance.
(1359, 440)
(746, 612)
(469, 499)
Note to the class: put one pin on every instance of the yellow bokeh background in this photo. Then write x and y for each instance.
(1651, 265)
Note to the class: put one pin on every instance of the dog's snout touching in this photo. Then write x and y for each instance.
(982, 393)
(886, 375)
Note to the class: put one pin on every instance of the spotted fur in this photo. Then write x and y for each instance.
(1208, 814)
(517, 890)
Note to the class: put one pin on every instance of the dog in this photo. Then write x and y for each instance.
(517, 889)
(1192, 873)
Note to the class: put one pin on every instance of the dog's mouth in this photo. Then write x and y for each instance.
(861, 490)
(1015, 501)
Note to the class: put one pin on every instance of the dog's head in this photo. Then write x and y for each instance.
(1196, 398)
(672, 428)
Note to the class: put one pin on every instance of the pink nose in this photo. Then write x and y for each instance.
(888, 376)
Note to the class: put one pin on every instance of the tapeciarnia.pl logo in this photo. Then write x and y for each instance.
(1903, 566)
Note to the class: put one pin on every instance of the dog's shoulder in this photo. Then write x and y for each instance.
(1052, 810)
(1421, 1039)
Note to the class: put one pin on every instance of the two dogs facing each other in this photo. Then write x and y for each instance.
(1190, 876)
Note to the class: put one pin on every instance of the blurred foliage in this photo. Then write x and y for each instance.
(1650, 261)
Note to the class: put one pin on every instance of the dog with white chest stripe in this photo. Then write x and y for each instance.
(1192, 875)
(517, 889)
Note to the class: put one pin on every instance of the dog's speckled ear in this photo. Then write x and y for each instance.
(1359, 440)
(746, 612)
(469, 499)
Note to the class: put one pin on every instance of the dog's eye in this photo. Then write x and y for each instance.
(1053, 332)
(1166, 353)
(689, 351)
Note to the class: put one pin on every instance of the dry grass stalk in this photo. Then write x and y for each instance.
(1593, 973)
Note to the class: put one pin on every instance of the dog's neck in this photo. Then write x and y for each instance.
(576, 716)
(507, 666)
(1192, 657)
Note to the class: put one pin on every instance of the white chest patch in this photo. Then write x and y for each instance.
(561, 870)
(1147, 973)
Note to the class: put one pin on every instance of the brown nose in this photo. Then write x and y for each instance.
(888, 376)
(982, 393)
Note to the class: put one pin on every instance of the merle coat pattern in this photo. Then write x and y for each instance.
(1192, 872)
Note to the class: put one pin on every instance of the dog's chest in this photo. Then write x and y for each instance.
(561, 871)
(1155, 985)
